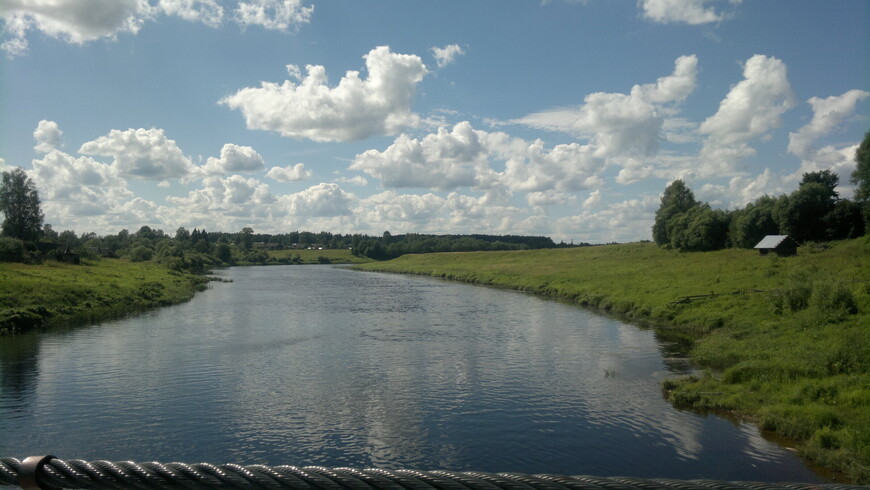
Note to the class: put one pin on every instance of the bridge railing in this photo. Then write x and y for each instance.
(48, 472)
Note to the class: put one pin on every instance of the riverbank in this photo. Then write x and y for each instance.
(52, 293)
(784, 341)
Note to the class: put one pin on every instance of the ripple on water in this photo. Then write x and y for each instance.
(324, 366)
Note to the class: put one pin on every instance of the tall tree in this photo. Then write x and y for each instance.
(861, 178)
(182, 235)
(861, 175)
(805, 217)
(754, 222)
(19, 203)
(246, 238)
(677, 199)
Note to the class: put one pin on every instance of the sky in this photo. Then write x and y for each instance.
(559, 118)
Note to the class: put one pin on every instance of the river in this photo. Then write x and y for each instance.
(321, 365)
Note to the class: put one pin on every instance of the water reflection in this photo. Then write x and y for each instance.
(325, 366)
(19, 370)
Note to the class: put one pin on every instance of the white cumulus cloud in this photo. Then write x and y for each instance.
(78, 187)
(692, 12)
(47, 136)
(234, 196)
(234, 158)
(751, 109)
(443, 160)
(321, 200)
(389, 210)
(81, 21)
(277, 15)
(143, 153)
(75, 21)
(290, 173)
(354, 109)
(447, 54)
(467, 157)
(828, 114)
(623, 124)
(209, 12)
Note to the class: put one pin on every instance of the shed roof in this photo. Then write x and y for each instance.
(771, 241)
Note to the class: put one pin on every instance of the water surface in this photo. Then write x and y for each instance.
(319, 365)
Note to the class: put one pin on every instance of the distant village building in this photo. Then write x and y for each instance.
(781, 245)
(68, 256)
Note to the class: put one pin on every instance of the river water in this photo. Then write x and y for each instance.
(320, 365)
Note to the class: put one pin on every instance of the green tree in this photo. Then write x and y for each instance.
(676, 199)
(223, 252)
(19, 203)
(698, 229)
(844, 221)
(68, 239)
(754, 222)
(861, 175)
(48, 234)
(804, 218)
(146, 232)
(202, 246)
(861, 178)
(182, 235)
(246, 238)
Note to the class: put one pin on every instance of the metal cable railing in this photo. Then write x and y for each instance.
(48, 472)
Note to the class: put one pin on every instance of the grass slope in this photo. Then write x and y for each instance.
(54, 292)
(790, 350)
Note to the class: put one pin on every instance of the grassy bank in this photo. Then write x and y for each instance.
(785, 341)
(55, 293)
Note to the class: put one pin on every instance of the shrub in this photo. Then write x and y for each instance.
(835, 300)
(767, 371)
(140, 253)
(11, 250)
(151, 290)
(799, 422)
(850, 356)
(324, 260)
(828, 438)
(795, 296)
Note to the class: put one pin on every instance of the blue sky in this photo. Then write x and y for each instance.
(558, 118)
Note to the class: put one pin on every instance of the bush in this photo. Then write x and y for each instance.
(835, 300)
(323, 260)
(140, 253)
(799, 422)
(795, 296)
(11, 250)
(772, 371)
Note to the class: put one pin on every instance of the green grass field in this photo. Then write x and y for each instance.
(784, 341)
(55, 293)
(335, 256)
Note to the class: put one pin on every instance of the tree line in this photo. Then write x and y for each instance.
(24, 238)
(812, 213)
(391, 246)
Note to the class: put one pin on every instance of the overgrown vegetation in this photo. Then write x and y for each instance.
(783, 341)
(57, 293)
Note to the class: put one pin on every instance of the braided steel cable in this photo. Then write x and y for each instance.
(50, 472)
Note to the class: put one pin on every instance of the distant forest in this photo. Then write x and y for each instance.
(199, 249)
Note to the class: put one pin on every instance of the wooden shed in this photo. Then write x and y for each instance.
(781, 245)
